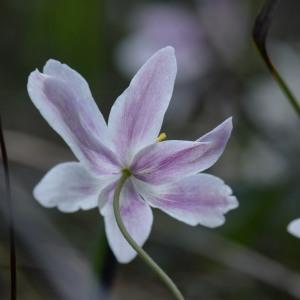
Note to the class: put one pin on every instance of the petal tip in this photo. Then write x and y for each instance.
(228, 123)
(35, 84)
(232, 203)
(167, 53)
(50, 63)
(169, 49)
(218, 221)
(229, 119)
(34, 74)
(37, 194)
(125, 259)
(294, 228)
(34, 77)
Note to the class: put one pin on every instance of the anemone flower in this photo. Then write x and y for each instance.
(163, 174)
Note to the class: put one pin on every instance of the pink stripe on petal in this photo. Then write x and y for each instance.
(136, 215)
(218, 137)
(71, 111)
(90, 112)
(169, 161)
(137, 115)
(198, 199)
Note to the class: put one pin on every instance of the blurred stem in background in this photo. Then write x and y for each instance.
(9, 206)
(104, 263)
(143, 255)
(260, 33)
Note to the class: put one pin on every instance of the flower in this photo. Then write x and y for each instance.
(163, 174)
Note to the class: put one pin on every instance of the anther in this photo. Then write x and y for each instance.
(161, 137)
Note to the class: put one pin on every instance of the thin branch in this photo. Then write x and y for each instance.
(9, 205)
(260, 33)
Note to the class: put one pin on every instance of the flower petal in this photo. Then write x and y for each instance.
(218, 137)
(294, 228)
(168, 161)
(65, 101)
(137, 115)
(69, 187)
(198, 199)
(137, 218)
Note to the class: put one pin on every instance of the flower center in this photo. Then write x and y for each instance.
(162, 136)
(127, 172)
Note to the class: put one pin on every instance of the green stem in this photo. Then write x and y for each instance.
(147, 259)
(281, 83)
(260, 33)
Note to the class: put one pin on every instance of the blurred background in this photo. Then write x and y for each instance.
(65, 256)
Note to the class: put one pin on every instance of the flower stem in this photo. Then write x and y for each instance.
(260, 33)
(147, 259)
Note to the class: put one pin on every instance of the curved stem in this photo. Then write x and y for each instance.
(260, 33)
(147, 259)
(280, 82)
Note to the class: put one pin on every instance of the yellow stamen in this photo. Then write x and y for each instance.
(161, 137)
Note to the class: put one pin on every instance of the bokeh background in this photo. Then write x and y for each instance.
(65, 256)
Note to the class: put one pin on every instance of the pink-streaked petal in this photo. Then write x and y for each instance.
(63, 98)
(137, 115)
(198, 199)
(294, 228)
(218, 138)
(89, 111)
(69, 187)
(136, 215)
(169, 161)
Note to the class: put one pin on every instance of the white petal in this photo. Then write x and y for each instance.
(169, 161)
(63, 98)
(137, 115)
(218, 137)
(198, 199)
(69, 187)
